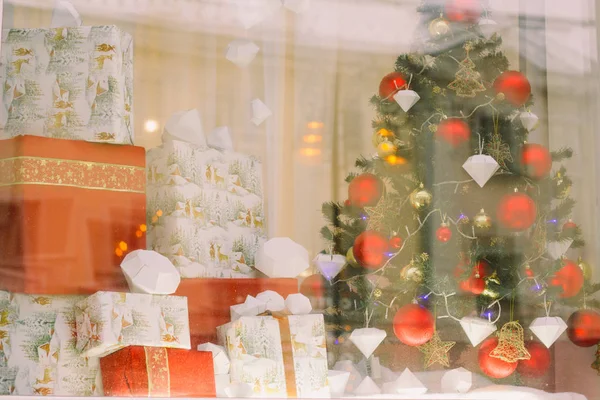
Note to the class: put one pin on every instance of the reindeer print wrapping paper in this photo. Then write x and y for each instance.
(256, 347)
(69, 83)
(109, 321)
(38, 354)
(205, 209)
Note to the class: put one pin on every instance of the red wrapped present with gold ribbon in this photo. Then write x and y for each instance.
(138, 371)
(69, 211)
(209, 300)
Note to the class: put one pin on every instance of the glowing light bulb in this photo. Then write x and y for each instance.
(151, 125)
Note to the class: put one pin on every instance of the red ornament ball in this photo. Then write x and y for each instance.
(472, 285)
(539, 362)
(463, 10)
(347, 203)
(443, 233)
(569, 226)
(536, 161)
(516, 211)
(515, 87)
(413, 325)
(390, 84)
(314, 286)
(569, 278)
(365, 190)
(583, 328)
(491, 366)
(396, 242)
(370, 249)
(453, 131)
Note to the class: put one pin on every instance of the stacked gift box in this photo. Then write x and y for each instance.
(209, 200)
(74, 207)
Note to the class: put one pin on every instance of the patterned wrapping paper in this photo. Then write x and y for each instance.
(42, 359)
(70, 83)
(109, 321)
(278, 357)
(211, 207)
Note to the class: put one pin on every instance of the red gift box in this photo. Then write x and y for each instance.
(65, 206)
(209, 301)
(139, 371)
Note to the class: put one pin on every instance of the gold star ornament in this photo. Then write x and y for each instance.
(436, 351)
(382, 215)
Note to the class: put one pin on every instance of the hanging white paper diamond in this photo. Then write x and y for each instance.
(457, 380)
(488, 27)
(186, 126)
(548, 329)
(297, 6)
(337, 382)
(330, 264)
(529, 120)
(367, 388)
(241, 52)
(367, 339)
(407, 383)
(477, 329)
(281, 258)
(406, 99)
(557, 249)
(260, 112)
(481, 167)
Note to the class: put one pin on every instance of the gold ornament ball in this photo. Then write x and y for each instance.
(482, 220)
(382, 135)
(350, 257)
(377, 293)
(439, 27)
(500, 96)
(420, 198)
(411, 272)
(385, 149)
(585, 268)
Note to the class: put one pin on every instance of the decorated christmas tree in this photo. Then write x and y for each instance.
(458, 217)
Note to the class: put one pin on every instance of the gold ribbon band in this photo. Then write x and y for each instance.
(288, 354)
(157, 367)
(73, 173)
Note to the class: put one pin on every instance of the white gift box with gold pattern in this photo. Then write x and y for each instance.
(70, 82)
(39, 348)
(205, 209)
(109, 321)
(282, 356)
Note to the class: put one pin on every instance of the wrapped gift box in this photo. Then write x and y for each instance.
(138, 371)
(40, 354)
(211, 208)
(209, 301)
(109, 321)
(69, 83)
(279, 356)
(64, 207)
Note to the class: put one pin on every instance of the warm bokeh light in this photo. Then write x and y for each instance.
(139, 233)
(119, 252)
(123, 245)
(315, 125)
(159, 213)
(312, 138)
(385, 133)
(151, 125)
(310, 152)
(395, 160)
